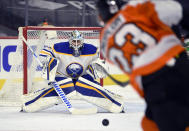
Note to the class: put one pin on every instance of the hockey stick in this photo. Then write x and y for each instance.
(122, 84)
(59, 91)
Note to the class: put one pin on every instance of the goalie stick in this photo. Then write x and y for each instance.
(60, 93)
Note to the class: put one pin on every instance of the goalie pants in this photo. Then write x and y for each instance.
(166, 94)
(69, 86)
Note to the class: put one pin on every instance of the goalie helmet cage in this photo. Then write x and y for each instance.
(52, 35)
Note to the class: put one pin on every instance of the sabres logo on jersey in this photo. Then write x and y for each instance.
(74, 70)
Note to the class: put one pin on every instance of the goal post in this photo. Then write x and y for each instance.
(38, 37)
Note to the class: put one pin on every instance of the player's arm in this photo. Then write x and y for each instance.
(50, 68)
(50, 64)
(46, 52)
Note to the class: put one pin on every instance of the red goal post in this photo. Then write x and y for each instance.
(33, 35)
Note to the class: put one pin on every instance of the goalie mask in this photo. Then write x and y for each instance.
(76, 43)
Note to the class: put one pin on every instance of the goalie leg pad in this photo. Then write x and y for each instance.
(36, 101)
(41, 104)
(46, 98)
(99, 96)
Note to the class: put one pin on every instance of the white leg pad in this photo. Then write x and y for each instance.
(41, 103)
(103, 102)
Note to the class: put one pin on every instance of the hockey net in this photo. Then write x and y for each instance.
(39, 37)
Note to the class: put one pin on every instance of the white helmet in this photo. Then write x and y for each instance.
(76, 42)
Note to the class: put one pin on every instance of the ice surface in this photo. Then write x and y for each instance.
(58, 118)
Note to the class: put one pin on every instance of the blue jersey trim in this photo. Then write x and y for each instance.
(63, 47)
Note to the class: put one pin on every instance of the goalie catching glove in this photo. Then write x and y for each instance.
(50, 68)
(97, 67)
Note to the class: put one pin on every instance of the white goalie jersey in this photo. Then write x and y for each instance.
(70, 66)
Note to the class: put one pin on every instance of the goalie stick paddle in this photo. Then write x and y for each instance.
(60, 93)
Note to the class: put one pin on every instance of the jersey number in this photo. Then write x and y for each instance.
(130, 41)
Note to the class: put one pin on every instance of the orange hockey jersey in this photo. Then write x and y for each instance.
(139, 38)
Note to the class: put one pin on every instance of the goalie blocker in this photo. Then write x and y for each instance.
(84, 88)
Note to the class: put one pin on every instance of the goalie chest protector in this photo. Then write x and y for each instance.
(74, 66)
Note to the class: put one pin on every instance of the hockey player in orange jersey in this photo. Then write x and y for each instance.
(137, 36)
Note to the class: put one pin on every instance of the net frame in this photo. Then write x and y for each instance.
(24, 32)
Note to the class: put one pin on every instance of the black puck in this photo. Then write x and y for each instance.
(105, 122)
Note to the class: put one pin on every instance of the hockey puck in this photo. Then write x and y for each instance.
(105, 122)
